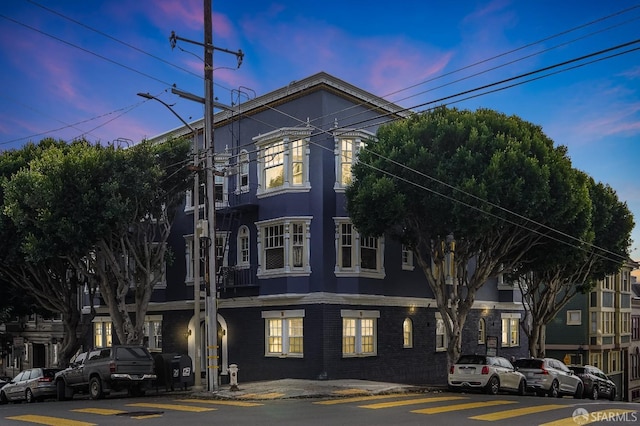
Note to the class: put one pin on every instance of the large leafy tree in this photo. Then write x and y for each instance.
(470, 192)
(567, 266)
(107, 213)
(37, 278)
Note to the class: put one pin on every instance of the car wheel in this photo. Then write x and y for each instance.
(493, 386)
(522, 388)
(61, 391)
(554, 390)
(29, 396)
(579, 390)
(95, 388)
(612, 395)
(594, 393)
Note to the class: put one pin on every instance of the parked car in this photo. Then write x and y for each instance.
(101, 370)
(4, 380)
(489, 373)
(31, 385)
(549, 376)
(596, 383)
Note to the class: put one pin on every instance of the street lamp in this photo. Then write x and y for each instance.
(195, 255)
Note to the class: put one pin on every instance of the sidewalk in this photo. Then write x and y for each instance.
(298, 388)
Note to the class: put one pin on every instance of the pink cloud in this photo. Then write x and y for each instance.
(486, 11)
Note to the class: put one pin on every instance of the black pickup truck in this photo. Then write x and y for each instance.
(101, 370)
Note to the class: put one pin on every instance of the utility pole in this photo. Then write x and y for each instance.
(212, 300)
(210, 197)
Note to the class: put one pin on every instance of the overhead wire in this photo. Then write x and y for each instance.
(423, 104)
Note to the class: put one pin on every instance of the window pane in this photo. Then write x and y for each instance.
(366, 326)
(368, 252)
(348, 336)
(346, 245)
(274, 247)
(346, 160)
(297, 239)
(275, 336)
(274, 165)
(295, 335)
(297, 156)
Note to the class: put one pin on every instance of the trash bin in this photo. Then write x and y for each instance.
(163, 370)
(182, 371)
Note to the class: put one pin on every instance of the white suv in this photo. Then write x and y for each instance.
(489, 373)
(549, 376)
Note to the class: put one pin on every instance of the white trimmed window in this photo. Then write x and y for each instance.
(102, 332)
(510, 329)
(347, 145)
(407, 333)
(243, 172)
(284, 247)
(152, 331)
(574, 317)
(189, 199)
(482, 331)
(407, 258)
(441, 334)
(283, 161)
(359, 333)
(595, 359)
(243, 259)
(284, 333)
(357, 255)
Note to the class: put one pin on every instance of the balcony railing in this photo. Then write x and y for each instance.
(232, 277)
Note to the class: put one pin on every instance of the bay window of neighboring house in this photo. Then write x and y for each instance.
(283, 161)
(347, 144)
(357, 255)
(359, 333)
(284, 333)
(284, 247)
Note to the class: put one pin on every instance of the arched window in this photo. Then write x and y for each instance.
(482, 331)
(407, 333)
(243, 246)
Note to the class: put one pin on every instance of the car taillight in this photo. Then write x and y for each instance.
(485, 369)
(45, 379)
(451, 369)
(544, 371)
(112, 367)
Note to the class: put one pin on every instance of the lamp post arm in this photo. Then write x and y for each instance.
(149, 96)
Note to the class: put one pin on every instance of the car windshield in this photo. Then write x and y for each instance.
(529, 363)
(471, 359)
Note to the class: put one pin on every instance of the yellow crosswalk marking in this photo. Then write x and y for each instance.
(101, 411)
(222, 402)
(596, 416)
(458, 407)
(360, 399)
(175, 407)
(411, 402)
(49, 421)
(272, 395)
(349, 392)
(516, 412)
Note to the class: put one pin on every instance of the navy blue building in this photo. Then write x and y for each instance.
(301, 294)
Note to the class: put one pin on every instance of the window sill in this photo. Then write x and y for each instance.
(281, 273)
(284, 356)
(283, 190)
(358, 355)
(361, 274)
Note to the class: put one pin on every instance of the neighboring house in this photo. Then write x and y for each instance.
(596, 329)
(634, 349)
(301, 294)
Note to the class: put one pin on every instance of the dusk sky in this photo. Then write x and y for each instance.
(72, 69)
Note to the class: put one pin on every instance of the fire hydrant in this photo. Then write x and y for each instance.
(233, 377)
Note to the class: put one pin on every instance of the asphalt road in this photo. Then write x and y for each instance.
(442, 408)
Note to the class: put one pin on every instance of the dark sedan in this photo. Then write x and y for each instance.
(596, 383)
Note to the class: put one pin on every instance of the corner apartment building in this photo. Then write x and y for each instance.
(300, 293)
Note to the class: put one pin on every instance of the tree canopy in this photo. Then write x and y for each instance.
(471, 193)
(81, 214)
